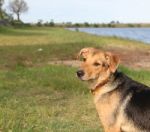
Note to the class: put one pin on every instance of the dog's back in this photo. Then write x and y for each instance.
(138, 108)
(126, 108)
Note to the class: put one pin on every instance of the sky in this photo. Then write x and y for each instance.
(92, 11)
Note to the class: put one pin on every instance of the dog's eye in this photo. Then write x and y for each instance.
(97, 64)
(83, 59)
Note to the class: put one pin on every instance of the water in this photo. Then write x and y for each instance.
(140, 34)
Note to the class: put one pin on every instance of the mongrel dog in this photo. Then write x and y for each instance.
(123, 105)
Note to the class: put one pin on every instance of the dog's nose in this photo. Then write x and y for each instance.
(80, 73)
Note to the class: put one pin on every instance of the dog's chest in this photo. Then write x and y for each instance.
(107, 106)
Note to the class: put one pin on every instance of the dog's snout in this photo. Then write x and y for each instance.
(80, 73)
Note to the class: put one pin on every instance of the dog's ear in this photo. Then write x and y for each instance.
(112, 60)
(84, 52)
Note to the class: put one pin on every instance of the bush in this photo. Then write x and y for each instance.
(17, 23)
(39, 23)
(86, 24)
(52, 24)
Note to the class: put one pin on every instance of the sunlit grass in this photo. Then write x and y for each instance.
(30, 36)
(38, 97)
(49, 98)
(21, 46)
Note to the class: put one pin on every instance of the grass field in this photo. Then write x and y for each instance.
(35, 96)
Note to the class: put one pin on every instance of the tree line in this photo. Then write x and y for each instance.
(112, 24)
(14, 7)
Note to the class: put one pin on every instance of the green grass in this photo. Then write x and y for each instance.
(38, 97)
(30, 36)
(20, 46)
(142, 76)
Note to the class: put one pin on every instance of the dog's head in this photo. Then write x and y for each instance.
(96, 64)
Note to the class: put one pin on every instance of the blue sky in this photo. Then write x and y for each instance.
(92, 11)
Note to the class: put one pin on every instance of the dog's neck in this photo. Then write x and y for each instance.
(104, 84)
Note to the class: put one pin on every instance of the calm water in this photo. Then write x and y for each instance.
(140, 34)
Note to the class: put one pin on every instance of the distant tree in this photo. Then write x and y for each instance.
(46, 24)
(1, 10)
(68, 24)
(17, 7)
(39, 23)
(109, 25)
(96, 25)
(52, 24)
(112, 22)
(86, 24)
(77, 25)
(103, 25)
(7, 16)
(130, 25)
(138, 25)
(117, 22)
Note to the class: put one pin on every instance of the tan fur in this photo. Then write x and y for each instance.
(106, 104)
(108, 64)
(113, 61)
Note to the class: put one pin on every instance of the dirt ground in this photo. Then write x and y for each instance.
(135, 59)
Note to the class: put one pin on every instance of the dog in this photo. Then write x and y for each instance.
(123, 105)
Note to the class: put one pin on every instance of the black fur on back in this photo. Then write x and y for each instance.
(138, 107)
